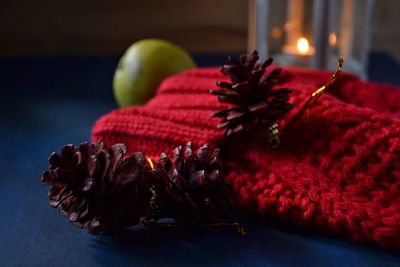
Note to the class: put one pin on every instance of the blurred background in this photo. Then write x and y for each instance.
(102, 27)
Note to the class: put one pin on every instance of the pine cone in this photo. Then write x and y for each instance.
(96, 188)
(255, 104)
(102, 191)
(196, 190)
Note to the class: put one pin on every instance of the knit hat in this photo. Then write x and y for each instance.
(338, 172)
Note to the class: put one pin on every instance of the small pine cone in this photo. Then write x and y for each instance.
(255, 104)
(97, 188)
(195, 188)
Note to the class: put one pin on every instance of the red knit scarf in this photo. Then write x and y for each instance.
(338, 172)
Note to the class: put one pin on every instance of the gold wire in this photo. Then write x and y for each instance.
(317, 93)
(154, 205)
(238, 227)
(150, 163)
(321, 90)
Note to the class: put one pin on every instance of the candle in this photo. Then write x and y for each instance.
(299, 54)
(302, 48)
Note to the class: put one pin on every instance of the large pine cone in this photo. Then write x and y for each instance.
(102, 191)
(96, 188)
(255, 104)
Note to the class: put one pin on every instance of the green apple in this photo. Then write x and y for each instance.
(144, 66)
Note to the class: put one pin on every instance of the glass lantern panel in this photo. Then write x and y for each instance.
(349, 34)
(290, 36)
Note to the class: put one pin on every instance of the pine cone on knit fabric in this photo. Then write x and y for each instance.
(103, 191)
(97, 188)
(255, 104)
(195, 190)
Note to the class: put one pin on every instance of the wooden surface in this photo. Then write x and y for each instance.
(49, 27)
(103, 26)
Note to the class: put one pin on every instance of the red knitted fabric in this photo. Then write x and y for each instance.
(338, 173)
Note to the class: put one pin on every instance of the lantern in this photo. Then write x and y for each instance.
(312, 33)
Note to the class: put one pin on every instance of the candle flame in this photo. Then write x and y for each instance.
(302, 46)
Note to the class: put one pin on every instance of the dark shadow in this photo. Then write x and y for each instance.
(262, 246)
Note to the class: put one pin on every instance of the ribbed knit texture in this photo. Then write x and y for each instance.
(338, 173)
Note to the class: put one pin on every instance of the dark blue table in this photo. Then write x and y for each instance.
(46, 103)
